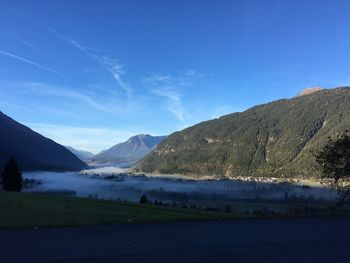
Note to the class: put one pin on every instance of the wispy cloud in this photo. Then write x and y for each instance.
(45, 89)
(175, 105)
(23, 41)
(117, 71)
(85, 102)
(168, 86)
(7, 54)
(193, 73)
(109, 64)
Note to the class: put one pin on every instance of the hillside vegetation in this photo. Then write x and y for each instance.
(274, 139)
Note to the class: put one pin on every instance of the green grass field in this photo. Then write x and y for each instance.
(29, 210)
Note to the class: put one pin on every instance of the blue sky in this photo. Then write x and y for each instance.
(92, 73)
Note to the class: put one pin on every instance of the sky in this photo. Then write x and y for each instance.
(90, 74)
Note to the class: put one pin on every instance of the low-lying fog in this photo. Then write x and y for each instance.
(167, 190)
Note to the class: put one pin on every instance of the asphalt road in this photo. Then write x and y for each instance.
(277, 240)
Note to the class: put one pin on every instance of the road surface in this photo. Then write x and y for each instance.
(266, 240)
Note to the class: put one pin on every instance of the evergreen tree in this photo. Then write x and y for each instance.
(12, 176)
(143, 199)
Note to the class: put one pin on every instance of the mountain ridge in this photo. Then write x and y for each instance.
(272, 139)
(131, 150)
(81, 154)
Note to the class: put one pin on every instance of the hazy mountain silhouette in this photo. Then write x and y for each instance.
(32, 150)
(132, 150)
(82, 155)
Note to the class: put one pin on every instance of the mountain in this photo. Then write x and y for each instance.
(82, 155)
(274, 139)
(32, 150)
(132, 150)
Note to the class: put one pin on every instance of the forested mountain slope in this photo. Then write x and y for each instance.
(278, 138)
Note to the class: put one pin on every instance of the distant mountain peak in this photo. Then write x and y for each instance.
(309, 90)
(135, 148)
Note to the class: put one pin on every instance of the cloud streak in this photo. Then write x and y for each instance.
(111, 65)
(167, 86)
(7, 54)
(116, 69)
(175, 105)
(44, 89)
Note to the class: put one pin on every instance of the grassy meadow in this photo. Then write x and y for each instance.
(30, 210)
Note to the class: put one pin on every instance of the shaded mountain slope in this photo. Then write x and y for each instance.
(32, 150)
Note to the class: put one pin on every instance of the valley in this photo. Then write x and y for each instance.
(241, 195)
(174, 131)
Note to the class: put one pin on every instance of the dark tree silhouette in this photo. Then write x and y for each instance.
(143, 199)
(11, 176)
(334, 160)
